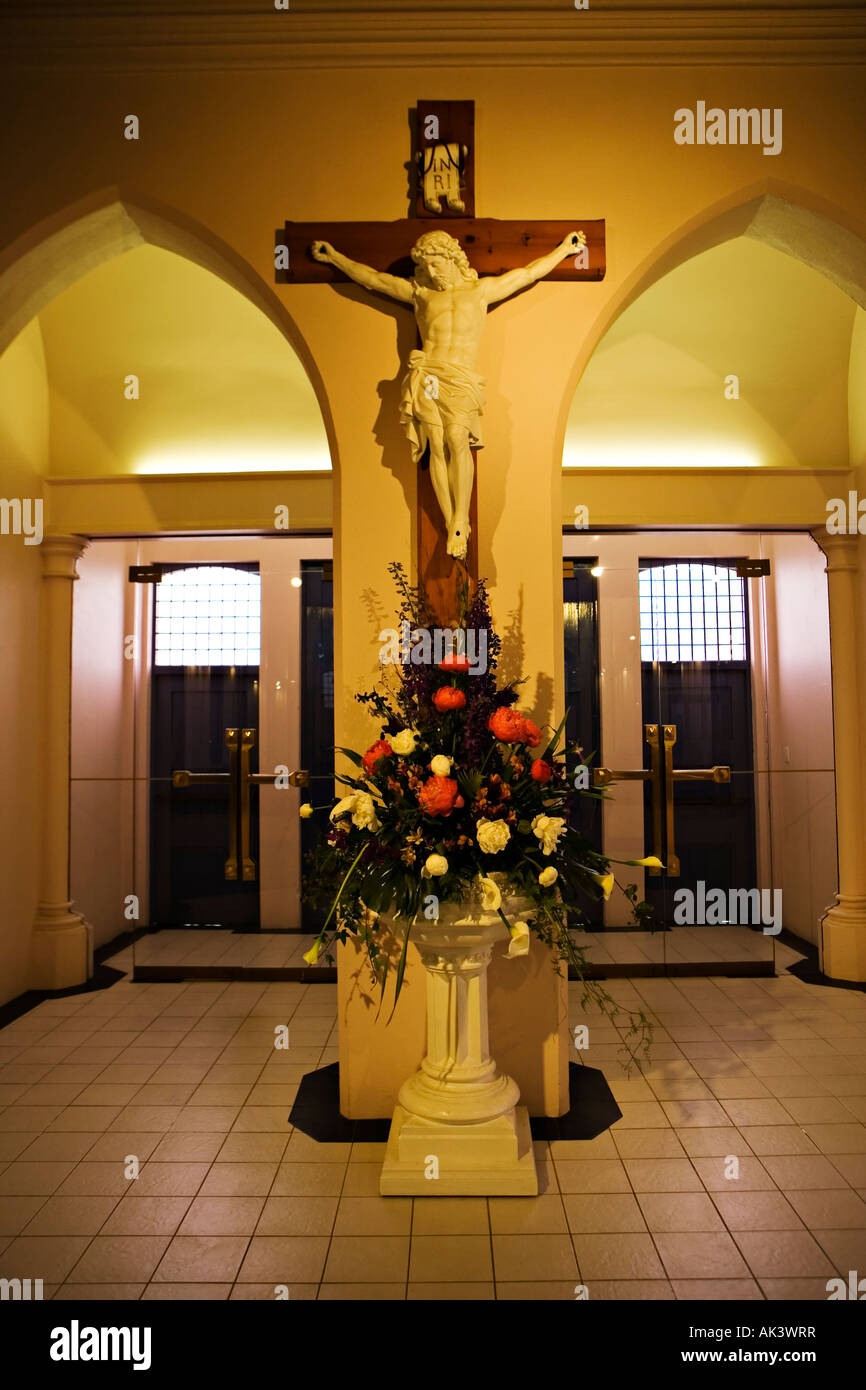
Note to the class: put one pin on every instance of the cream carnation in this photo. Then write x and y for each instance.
(364, 812)
(403, 743)
(440, 766)
(548, 830)
(435, 865)
(548, 876)
(492, 835)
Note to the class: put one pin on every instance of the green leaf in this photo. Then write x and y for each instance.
(553, 742)
(400, 969)
(384, 982)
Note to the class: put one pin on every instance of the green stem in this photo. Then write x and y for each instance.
(349, 873)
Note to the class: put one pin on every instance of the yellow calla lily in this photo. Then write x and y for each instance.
(605, 882)
(651, 862)
(312, 955)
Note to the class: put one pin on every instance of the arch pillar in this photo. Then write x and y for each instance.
(843, 927)
(62, 941)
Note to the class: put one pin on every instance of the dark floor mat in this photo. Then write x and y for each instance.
(316, 1110)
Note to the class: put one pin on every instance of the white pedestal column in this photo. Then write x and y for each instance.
(457, 1128)
(62, 942)
(843, 928)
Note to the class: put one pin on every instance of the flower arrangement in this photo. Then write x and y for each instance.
(459, 793)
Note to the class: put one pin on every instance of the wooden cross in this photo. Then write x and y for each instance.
(443, 194)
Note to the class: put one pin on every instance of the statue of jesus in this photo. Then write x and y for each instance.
(442, 394)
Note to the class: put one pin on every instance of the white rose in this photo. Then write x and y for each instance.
(435, 866)
(347, 804)
(305, 811)
(403, 743)
(519, 943)
(440, 766)
(491, 898)
(548, 876)
(548, 830)
(364, 814)
(492, 835)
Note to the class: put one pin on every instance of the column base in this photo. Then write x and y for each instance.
(843, 940)
(494, 1158)
(61, 949)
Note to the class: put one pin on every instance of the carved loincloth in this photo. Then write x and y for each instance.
(440, 393)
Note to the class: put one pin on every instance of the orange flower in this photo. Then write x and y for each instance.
(510, 726)
(438, 795)
(448, 697)
(455, 661)
(540, 771)
(380, 749)
(506, 725)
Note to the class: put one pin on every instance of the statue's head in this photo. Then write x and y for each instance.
(441, 260)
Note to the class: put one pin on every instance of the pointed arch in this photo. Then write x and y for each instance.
(75, 239)
(788, 218)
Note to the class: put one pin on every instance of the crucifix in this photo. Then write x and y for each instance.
(449, 268)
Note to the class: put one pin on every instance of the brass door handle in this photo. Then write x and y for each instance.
(670, 737)
(651, 735)
(183, 778)
(603, 776)
(240, 743)
(702, 774)
(298, 778)
(248, 864)
(231, 866)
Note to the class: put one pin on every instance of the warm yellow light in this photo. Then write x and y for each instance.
(597, 570)
(240, 460)
(697, 456)
(296, 581)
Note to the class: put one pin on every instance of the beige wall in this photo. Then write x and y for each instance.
(230, 155)
(23, 458)
(800, 732)
(101, 802)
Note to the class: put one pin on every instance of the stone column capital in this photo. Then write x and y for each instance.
(842, 551)
(60, 555)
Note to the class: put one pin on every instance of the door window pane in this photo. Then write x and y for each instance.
(208, 615)
(687, 610)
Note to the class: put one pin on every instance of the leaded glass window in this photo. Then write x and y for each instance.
(692, 611)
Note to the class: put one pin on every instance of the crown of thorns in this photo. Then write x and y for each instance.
(441, 244)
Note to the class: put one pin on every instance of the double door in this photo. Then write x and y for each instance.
(714, 744)
(240, 694)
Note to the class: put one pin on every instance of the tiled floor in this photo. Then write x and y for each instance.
(278, 950)
(738, 1169)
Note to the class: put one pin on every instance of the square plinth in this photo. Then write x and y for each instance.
(427, 1159)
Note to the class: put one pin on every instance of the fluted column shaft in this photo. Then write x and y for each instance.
(843, 929)
(62, 941)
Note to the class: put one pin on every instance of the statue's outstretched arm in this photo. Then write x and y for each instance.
(498, 287)
(394, 285)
